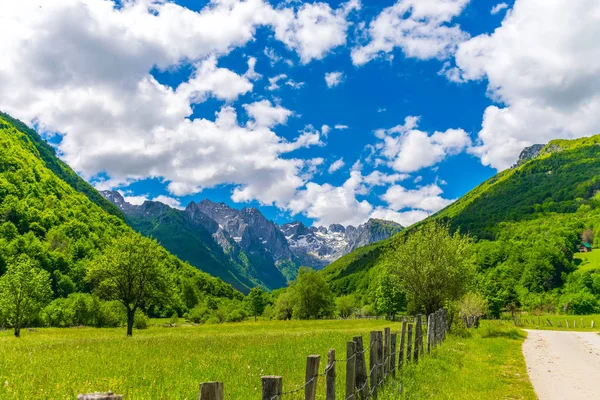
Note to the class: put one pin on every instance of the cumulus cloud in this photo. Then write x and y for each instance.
(542, 66)
(407, 149)
(341, 127)
(327, 204)
(264, 114)
(221, 83)
(421, 28)
(81, 68)
(336, 165)
(314, 29)
(498, 7)
(334, 78)
(426, 198)
(170, 201)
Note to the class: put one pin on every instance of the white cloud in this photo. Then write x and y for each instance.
(274, 82)
(328, 204)
(264, 114)
(404, 218)
(543, 68)
(426, 198)
(251, 74)
(314, 29)
(336, 165)
(170, 201)
(407, 149)
(421, 28)
(334, 78)
(325, 129)
(498, 7)
(220, 82)
(381, 109)
(341, 127)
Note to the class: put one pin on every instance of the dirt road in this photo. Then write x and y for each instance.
(563, 365)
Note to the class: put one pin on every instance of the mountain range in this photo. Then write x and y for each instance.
(243, 247)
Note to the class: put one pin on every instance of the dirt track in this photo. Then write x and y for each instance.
(563, 365)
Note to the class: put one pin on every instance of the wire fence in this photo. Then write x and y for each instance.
(388, 352)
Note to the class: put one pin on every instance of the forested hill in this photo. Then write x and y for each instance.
(48, 155)
(527, 223)
(63, 230)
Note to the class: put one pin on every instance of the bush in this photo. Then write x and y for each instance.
(199, 314)
(235, 316)
(581, 303)
(174, 319)
(213, 320)
(141, 321)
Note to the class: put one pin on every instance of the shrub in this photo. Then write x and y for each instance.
(141, 321)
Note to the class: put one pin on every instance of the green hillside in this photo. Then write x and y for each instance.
(48, 155)
(63, 230)
(527, 223)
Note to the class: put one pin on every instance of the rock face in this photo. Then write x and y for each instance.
(529, 153)
(317, 247)
(252, 249)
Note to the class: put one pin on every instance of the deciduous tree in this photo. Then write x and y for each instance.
(24, 290)
(132, 271)
(432, 266)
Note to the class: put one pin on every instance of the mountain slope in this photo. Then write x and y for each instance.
(527, 220)
(195, 237)
(61, 229)
(48, 155)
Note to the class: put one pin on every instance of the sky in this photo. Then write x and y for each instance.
(325, 112)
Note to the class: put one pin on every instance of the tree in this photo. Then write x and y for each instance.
(131, 271)
(432, 266)
(256, 301)
(588, 236)
(24, 290)
(284, 305)
(313, 298)
(471, 307)
(346, 305)
(389, 298)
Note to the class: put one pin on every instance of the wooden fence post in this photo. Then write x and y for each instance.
(417, 335)
(272, 387)
(429, 331)
(373, 363)
(100, 396)
(350, 370)
(380, 360)
(330, 376)
(312, 375)
(211, 391)
(361, 369)
(386, 350)
(393, 342)
(402, 347)
(409, 344)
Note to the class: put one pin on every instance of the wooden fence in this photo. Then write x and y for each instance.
(387, 354)
(570, 322)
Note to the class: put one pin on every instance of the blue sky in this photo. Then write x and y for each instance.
(228, 100)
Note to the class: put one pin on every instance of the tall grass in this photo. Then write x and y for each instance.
(169, 363)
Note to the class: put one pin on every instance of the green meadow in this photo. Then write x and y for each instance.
(170, 363)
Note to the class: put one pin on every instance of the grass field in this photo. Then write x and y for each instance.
(169, 363)
(588, 260)
(487, 365)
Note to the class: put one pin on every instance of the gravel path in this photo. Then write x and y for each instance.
(563, 365)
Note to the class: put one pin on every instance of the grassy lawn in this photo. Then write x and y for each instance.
(588, 260)
(487, 365)
(169, 363)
